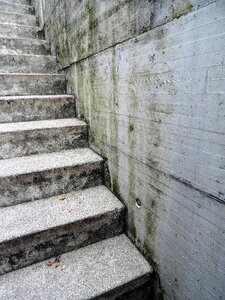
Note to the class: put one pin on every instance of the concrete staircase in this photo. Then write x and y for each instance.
(54, 246)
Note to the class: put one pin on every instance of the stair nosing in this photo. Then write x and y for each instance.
(32, 74)
(16, 13)
(29, 55)
(21, 25)
(7, 98)
(20, 38)
(31, 125)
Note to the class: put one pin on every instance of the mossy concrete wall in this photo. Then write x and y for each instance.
(149, 78)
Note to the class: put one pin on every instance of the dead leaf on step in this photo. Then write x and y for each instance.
(49, 264)
(62, 197)
(69, 210)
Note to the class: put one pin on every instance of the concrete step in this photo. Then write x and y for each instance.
(23, 46)
(27, 138)
(22, 19)
(16, 8)
(31, 108)
(28, 63)
(38, 176)
(24, 2)
(55, 227)
(18, 31)
(18, 84)
(109, 269)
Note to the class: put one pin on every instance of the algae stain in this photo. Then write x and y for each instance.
(181, 7)
(114, 78)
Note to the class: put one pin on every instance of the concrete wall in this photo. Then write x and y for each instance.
(149, 78)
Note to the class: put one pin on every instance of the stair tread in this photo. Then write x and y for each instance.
(14, 3)
(47, 161)
(38, 56)
(42, 124)
(85, 273)
(7, 98)
(36, 216)
(20, 25)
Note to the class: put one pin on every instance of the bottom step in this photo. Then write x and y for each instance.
(106, 270)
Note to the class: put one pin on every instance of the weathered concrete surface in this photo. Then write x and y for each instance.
(38, 176)
(24, 2)
(23, 46)
(18, 31)
(31, 108)
(115, 263)
(21, 84)
(38, 230)
(78, 29)
(14, 63)
(17, 18)
(9, 6)
(27, 138)
(156, 111)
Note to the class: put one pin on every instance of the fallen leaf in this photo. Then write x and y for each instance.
(49, 264)
(61, 197)
(69, 210)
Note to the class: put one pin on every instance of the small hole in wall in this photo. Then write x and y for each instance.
(138, 203)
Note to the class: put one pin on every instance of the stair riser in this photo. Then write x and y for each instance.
(28, 187)
(23, 64)
(41, 141)
(23, 46)
(36, 109)
(11, 31)
(27, 250)
(15, 8)
(25, 85)
(18, 19)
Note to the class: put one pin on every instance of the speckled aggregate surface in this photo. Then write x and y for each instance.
(31, 217)
(82, 274)
(43, 124)
(44, 162)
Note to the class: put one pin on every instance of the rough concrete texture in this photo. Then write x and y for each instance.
(18, 31)
(155, 105)
(13, 84)
(26, 138)
(92, 26)
(24, 2)
(27, 64)
(35, 231)
(37, 176)
(31, 231)
(23, 46)
(104, 270)
(9, 6)
(7, 17)
(30, 108)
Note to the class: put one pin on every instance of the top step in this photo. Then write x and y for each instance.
(16, 8)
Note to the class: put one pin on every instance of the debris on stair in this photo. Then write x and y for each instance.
(61, 197)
